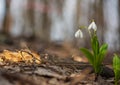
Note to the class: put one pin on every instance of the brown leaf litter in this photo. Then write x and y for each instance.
(23, 55)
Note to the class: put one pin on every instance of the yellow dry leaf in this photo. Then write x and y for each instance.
(12, 56)
(1, 57)
(26, 56)
(30, 57)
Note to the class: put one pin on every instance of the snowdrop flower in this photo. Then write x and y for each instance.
(79, 34)
(92, 26)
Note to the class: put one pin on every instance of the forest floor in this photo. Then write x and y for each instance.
(60, 65)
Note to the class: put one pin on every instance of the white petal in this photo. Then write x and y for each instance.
(92, 26)
(79, 34)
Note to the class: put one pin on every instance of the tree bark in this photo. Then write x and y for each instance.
(7, 19)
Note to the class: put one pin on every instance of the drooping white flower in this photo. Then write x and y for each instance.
(92, 26)
(79, 34)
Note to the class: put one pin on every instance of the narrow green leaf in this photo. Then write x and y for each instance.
(89, 55)
(95, 45)
(100, 58)
(102, 52)
(116, 62)
(104, 48)
(95, 48)
(116, 67)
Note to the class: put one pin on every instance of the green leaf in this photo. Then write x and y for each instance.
(95, 48)
(95, 45)
(103, 48)
(116, 67)
(116, 63)
(89, 55)
(102, 52)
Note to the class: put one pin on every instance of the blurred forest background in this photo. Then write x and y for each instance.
(58, 20)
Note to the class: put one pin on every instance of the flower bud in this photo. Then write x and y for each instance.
(79, 34)
(92, 26)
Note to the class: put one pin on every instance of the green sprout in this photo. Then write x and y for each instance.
(116, 68)
(97, 55)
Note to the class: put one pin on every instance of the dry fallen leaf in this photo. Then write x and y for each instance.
(79, 58)
(22, 55)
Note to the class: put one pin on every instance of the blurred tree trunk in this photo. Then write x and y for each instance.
(111, 22)
(119, 21)
(98, 16)
(42, 19)
(30, 22)
(7, 18)
(46, 22)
